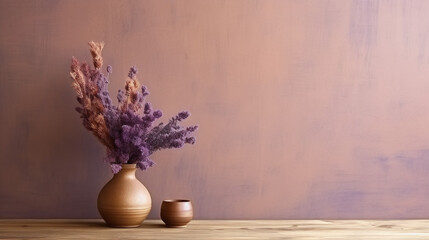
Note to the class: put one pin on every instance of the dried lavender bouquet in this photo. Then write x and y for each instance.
(126, 130)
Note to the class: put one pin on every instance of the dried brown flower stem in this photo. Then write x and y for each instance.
(95, 48)
(86, 92)
(132, 88)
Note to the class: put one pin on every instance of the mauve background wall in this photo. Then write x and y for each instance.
(308, 109)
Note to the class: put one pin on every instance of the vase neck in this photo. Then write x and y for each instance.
(128, 170)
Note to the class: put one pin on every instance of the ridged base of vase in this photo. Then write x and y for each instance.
(124, 218)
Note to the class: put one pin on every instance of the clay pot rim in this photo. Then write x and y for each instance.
(176, 201)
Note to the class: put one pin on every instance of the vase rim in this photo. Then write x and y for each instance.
(177, 201)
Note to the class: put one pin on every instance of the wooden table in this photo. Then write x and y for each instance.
(218, 229)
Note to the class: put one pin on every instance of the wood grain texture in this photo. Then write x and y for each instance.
(307, 109)
(218, 229)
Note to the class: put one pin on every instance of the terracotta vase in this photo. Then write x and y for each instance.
(124, 201)
(176, 213)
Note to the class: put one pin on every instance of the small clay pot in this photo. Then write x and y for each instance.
(176, 213)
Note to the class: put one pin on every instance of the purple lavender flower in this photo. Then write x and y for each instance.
(136, 141)
(115, 168)
(118, 143)
(192, 128)
(176, 144)
(148, 118)
(190, 140)
(145, 92)
(143, 165)
(129, 127)
(133, 71)
(140, 98)
(157, 114)
(124, 157)
(182, 115)
(121, 96)
(147, 108)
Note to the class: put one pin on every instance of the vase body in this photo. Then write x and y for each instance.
(124, 201)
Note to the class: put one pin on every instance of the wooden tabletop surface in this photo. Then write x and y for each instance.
(218, 229)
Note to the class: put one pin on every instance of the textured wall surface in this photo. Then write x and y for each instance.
(307, 109)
